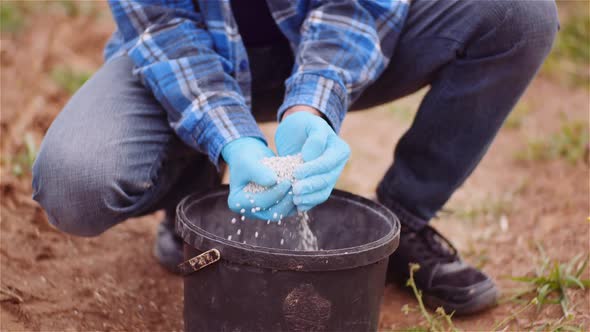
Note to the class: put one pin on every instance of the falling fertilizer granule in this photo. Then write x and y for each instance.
(308, 240)
(284, 167)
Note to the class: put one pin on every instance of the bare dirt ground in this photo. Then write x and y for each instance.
(53, 281)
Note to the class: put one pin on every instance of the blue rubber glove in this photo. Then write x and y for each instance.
(243, 157)
(324, 155)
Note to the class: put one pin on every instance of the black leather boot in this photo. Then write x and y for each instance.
(445, 280)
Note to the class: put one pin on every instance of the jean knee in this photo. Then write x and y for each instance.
(538, 23)
(524, 28)
(535, 23)
(64, 186)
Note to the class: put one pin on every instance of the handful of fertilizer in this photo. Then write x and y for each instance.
(283, 168)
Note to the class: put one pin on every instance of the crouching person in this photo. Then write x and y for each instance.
(186, 81)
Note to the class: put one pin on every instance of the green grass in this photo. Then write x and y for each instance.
(70, 7)
(517, 116)
(478, 257)
(569, 60)
(489, 209)
(573, 38)
(561, 325)
(548, 286)
(75, 8)
(413, 329)
(69, 79)
(514, 315)
(11, 17)
(569, 143)
(22, 162)
(437, 322)
(13, 14)
(551, 280)
(535, 150)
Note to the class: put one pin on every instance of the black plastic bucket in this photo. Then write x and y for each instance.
(265, 284)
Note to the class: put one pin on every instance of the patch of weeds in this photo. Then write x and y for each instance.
(573, 38)
(569, 143)
(515, 314)
(23, 161)
(11, 17)
(516, 118)
(570, 57)
(552, 279)
(77, 8)
(478, 257)
(561, 325)
(413, 329)
(522, 186)
(535, 150)
(440, 321)
(69, 79)
(491, 209)
(70, 7)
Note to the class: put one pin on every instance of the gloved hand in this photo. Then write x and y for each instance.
(323, 152)
(243, 157)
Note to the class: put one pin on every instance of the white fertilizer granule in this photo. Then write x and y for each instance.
(282, 166)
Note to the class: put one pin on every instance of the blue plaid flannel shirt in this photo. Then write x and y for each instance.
(191, 56)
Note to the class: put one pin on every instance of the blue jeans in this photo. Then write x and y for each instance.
(110, 154)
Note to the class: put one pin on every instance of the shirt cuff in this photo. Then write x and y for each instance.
(326, 95)
(224, 125)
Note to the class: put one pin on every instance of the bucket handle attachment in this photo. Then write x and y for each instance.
(198, 262)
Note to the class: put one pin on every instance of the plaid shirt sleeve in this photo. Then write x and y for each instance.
(343, 47)
(175, 58)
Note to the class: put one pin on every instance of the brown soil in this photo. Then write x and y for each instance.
(53, 281)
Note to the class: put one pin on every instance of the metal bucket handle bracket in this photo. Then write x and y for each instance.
(198, 262)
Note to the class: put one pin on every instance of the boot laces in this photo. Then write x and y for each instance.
(431, 246)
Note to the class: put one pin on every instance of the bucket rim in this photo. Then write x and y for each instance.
(286, 259)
